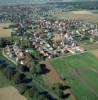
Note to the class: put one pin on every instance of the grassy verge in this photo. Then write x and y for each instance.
(4, 81)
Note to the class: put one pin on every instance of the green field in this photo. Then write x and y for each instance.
(81, 73)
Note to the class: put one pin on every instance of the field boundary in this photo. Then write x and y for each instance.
(53, 77)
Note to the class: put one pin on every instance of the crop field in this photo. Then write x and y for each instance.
(89, 16)
(10, 93)
(81, 74)
(89, 46)
(5, 32)
(7, 91)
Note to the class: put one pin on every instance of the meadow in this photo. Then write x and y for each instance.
(4, 31)
(81, 74)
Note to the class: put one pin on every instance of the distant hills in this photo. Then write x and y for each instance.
(37, 1)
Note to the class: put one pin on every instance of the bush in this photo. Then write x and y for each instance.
(3, 65)
(10, 72)
(24, 68)
(33, 92)
(22, 88)
(19, 78)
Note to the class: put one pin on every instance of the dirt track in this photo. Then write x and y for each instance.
(53, 77)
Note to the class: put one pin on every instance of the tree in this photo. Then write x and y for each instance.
(33, 92)
(38, 69)
(24, 68)
(42, 69)
(32, 66)
(42, 97)
(2, 42)
(22, 43)
(23, 88)
(27, 42)
(57, 90)
(10, 72)
(3, 65)
(19, 78)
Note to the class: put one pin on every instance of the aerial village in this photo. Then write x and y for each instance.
(53, 38)
(37, 38)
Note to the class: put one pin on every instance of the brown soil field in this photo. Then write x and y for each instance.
(5, 32)
(78, 15)
(10, 93)
(52, 77)
(90, 46)
(95, 52)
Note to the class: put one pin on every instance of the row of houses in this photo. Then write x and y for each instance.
(72, 26)
(15, 53)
